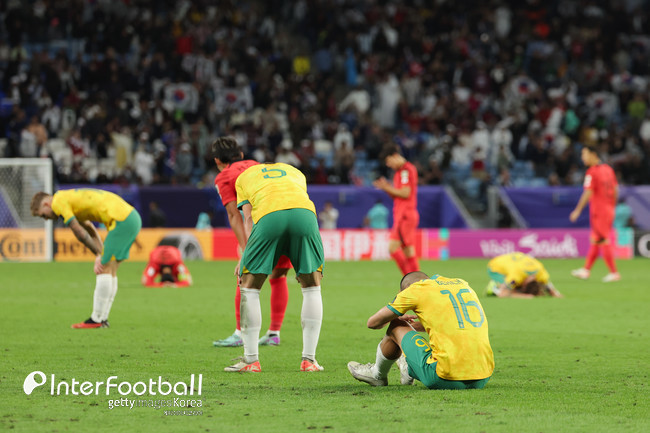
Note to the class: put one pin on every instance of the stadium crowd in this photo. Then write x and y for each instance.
(475, 92)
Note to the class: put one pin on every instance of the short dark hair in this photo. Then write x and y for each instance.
(591, 148)
(166, 274)
(226, 150)
(388, 150)
(410, 278)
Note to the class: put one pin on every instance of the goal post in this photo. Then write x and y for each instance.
(24, 237)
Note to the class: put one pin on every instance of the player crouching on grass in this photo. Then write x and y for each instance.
(166, 261)
(79, 208)
(518, 275)
(457, 354)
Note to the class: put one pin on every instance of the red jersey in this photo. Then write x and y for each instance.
(601, 180)
(405, 176)
(225, 180)
(165, 255)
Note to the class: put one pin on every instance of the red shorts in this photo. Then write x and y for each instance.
(601, 229)
(284, 263)
(405, 228)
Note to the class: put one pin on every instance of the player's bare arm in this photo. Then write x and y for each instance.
(248, 227)
(553, 291)
(236, 223)
(81, 233)
(385, 186)
(247, 209)
(381, 318)
(92, 231)
(584, 199)
(412, 321)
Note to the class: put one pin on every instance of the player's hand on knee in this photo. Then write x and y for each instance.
(98, 268)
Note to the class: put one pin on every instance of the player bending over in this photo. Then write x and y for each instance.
(79, 208)
(282, 222)
(457, 352)
(230, 163)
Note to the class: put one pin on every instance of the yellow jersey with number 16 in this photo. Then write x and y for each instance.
(272, 187)
(453, 317)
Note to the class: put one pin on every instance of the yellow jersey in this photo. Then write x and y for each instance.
(272, 187)
(86, 204)
(516, 267)
(453, 317)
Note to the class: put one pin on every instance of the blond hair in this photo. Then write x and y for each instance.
(36, 202)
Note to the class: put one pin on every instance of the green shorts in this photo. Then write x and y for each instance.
(499, 278)
(119, 240)
(292, 233)
(417, 350)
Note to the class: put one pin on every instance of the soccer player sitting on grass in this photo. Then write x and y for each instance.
(457, 352)
(79, 208)
(166, 261)
(518, 275)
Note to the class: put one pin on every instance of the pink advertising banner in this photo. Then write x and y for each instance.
(559, 243)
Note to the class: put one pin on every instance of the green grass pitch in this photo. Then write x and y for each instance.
(578, 364)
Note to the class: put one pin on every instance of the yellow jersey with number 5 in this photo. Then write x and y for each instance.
(87, 204)
(453, 317)
(272, 187)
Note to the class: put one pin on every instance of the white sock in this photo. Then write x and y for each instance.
(382, 364)
(103, 290)
(311, 318)
(109, 304)
(251, 322)
(272, 332)
(237, 332)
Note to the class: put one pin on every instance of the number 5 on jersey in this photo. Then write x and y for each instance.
(277, 173)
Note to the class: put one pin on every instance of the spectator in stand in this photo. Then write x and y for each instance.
(328, 216)
(157, 217)
(163, 71)
(377, 216)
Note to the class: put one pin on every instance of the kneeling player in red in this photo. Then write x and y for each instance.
(166, 261)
